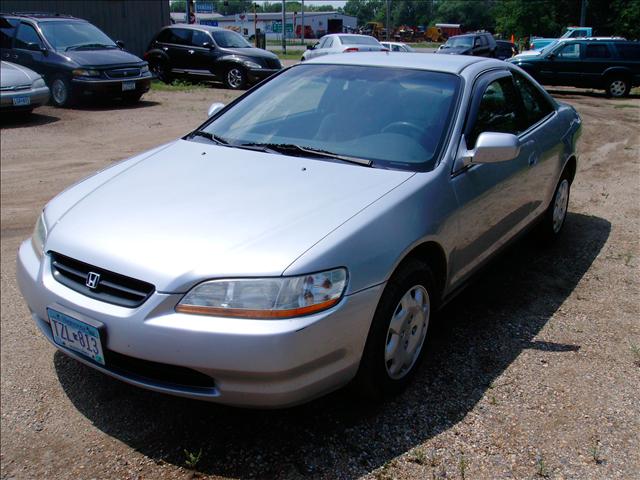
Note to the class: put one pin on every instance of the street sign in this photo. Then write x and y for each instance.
(276, 27)
(204, 7)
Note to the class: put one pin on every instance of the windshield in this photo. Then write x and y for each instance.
(63, 35)
(354, 40)
(395, 117)
(229, 39)
(457, 42)
(549, 47)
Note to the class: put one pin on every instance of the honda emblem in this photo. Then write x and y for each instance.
(93, 279)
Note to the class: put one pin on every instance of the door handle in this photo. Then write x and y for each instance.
(190, 52)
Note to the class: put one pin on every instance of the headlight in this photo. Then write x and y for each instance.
(39, 83)
(144, 70)
(251, 64)
(83, 72)
(39, 236)
(270, 298)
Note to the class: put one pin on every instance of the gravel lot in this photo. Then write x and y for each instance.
(535, 372)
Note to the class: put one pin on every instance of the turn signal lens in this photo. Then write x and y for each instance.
(268, 298)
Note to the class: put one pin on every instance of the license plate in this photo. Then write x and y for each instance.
(21, 101)
(76, 335)
(128, 86)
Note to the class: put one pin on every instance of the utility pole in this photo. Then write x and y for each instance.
(388, 22)
(583, 13)
(284, 27)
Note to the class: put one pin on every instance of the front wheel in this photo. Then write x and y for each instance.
(235, 78)
(61, 94)
(394, 346)
(618, 87)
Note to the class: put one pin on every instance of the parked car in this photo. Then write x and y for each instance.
(75, 58)
(20, 88)
(571, 32)
(201, 50)
(505, 49)
(608, 64)
(397, 47)
(342, 43)
(479, 44)
(309, 235)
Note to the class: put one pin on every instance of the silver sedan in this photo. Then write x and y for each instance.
(21, 88)
(304, 236)
(342, 43)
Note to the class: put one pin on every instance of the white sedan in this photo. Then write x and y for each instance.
(20, 88)
(342, 43)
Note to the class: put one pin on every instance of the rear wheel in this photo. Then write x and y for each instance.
(235, 78)
(556, 214)
(398, 331)
(61, 94)
(160, 68)
(618, 87)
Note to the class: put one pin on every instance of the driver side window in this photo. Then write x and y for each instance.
(497, 110)
(569, 52)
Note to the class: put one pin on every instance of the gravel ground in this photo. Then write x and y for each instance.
(534, 371)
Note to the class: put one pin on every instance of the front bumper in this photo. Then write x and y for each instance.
(98, 86)
(37, 97)
(255, 363)
(256, 75)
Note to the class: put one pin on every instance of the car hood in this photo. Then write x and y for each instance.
(193, 211)
(101, 58)
(454, 50)
(250, 52)
(528, 53)
(12, 75)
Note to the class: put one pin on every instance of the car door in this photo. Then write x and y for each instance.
(176, 45)
(567, 65)
(200, 56)
(494, 199)
(28, 47)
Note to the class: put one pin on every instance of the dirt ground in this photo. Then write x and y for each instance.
(534, 372)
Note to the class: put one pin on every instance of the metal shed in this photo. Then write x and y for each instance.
(133, 22)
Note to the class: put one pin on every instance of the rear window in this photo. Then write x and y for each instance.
(594, 50)
(346, 40)
(7, 29)
(628, 51)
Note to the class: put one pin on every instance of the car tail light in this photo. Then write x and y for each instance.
(351, 49)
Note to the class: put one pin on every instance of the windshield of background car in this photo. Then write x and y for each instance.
(395, 117)
(229, 39)
(457, 42)
(62, 35)
(347, 40)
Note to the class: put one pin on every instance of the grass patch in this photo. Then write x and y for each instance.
(290, 55)
(425, 45)
(625, 105)
(175, 86)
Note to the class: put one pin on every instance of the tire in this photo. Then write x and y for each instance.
(61, 92)
(618, 87)
(554, 218)
(131, 98)
(160, 68)
(235, 77)
(394, 346)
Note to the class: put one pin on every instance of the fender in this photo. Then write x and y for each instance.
(225, 61)
(623, 71)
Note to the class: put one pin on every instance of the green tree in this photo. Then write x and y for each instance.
(472, 14)
(365, 10)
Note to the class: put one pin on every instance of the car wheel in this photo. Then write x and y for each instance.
(61, 94)
(235, 78)
(398, 331)
(618, 87)
(556, 213)
(160, 68)
(132, 97)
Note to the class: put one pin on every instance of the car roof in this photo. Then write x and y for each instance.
(424, 61)
(39, 16)
(198, 26)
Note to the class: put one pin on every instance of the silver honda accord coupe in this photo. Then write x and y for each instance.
(304, 236)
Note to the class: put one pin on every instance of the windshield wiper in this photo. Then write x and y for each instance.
(292, 149)
(210, 136)
(89, 45)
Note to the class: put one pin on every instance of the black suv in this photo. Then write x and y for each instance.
(75, 58)
(479, 44)
(608, 64)
(203, 50)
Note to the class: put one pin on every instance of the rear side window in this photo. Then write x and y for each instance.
(26, 35)
(536, 106)
(178, 36)
(328, 43)
(497, 110)
(596, 50)
(7, 29)
(628, 51)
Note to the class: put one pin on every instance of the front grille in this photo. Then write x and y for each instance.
(123, 73)
(14, 88)
(110, 287)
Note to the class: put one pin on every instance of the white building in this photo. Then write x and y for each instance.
(317, 23)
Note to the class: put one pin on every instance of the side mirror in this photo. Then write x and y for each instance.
(36, 47)
(214, 108)
(493, 147)
(120, 44)
(551, 56)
